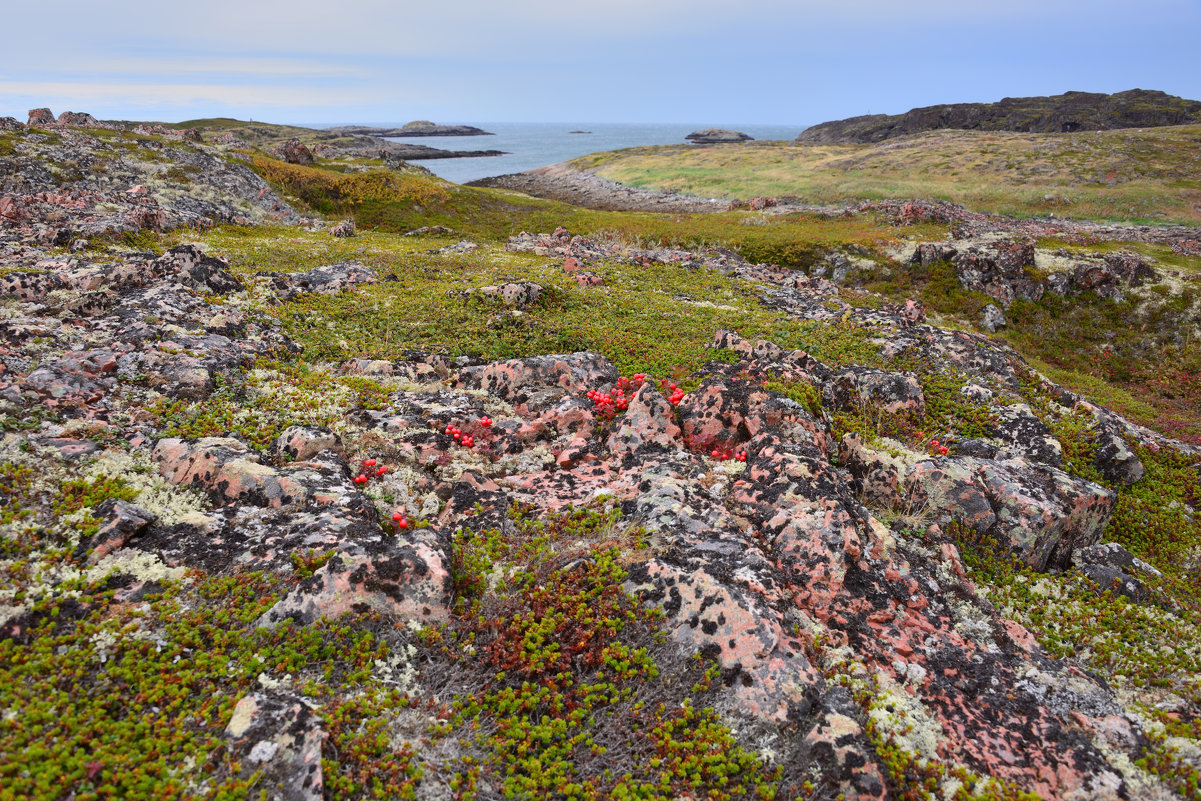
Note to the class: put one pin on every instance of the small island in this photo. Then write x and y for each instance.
(414, 128)
(579, 132)
(717, 136)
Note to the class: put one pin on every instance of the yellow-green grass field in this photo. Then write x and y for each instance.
(1144, 175)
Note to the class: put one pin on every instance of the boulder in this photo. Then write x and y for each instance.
(647, 423)
(878, 474)
(122, 521)
(40, 117)
(293, 151)
(409, 581)
(1130, 268)
(78, 119)
(325, 280)
(1111, 567)
(521, 294)
(992, 319)
(1096, 277)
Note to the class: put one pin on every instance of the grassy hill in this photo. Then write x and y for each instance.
(1146, 176)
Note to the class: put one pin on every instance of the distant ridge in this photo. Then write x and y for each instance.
(1071, 111)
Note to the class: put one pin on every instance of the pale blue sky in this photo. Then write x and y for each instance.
(702, 61)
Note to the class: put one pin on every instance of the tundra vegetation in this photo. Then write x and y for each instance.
(549, 676)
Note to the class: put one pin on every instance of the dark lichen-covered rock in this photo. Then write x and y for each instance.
(1041, 513)
(277, 735)
(301, 443)
(545, 377)
(521, 294)
(409, 581)
(1000, 270)
(890, 393)
(1111, 567)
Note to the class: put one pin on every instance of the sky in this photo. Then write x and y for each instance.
(646, 61)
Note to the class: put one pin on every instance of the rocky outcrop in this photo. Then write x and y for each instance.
(1007, 270)
(1072, 111)
(96, 188)
(78, 119)
(717, 136)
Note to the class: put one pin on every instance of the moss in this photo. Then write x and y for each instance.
(569, 663)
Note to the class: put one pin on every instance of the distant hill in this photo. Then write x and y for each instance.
(1072, 111)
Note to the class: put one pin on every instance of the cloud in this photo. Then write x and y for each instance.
(220, 65)
(65, 93)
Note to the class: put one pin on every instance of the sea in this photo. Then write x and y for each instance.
(531, 145)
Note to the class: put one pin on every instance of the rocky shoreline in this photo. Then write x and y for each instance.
(563, 183)
(582, 188)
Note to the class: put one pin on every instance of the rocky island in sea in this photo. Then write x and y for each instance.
(414, 128)
(716, 136)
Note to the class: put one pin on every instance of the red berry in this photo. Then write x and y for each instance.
(933, 443)
(397, 516)
(369, 463)
(381, 471)
(716, 453)
(402, 523)
(360, 479)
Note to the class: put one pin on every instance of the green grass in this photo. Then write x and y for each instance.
(657, 321)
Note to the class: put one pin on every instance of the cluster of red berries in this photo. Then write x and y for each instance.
(934, 445)
(369, 471)
(726, 454)
(606, 405)
(400, 520)
(676, 394)
(466, 440)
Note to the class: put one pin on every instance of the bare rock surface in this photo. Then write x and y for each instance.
(75, 184)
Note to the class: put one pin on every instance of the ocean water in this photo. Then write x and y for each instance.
(531, 145)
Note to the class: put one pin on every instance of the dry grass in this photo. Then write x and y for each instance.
(1149, 175)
